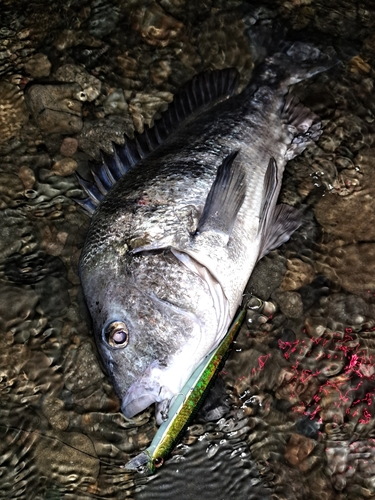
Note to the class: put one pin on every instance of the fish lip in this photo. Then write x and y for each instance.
(132, 405)
(148, 389)
(143, 392)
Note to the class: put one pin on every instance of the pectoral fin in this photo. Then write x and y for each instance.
(224, 199)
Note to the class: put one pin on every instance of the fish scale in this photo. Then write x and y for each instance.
(172, 243)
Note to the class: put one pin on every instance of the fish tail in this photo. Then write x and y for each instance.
(294, 62)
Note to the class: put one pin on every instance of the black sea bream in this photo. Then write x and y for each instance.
(181, 215)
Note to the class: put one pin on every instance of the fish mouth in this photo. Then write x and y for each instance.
(145, 391)
(132, 405)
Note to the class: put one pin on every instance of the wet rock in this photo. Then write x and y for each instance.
(27, 176)
(54, 411)
(64, 167)
(332, 210)
(11, 190)
(308, 427)
(30, 268)
(352, 266)
(315, 326)
(290, 303)
(82, 368)
(155, 26)
(313, 292)
(350, 309)
(16, 233)
(53, 241)
(69, 146)
(100, 135)
(351, 465)
(71, 461)
(298, 274)
(103, 18)
(144, 106)
(115, 103)
(53, 296)
(17, 304)
(69, 38)
(90, 85)
(13, 111)
(89, 54)
(56, 108)
(222, 43)
(267, 275)
(298, 449)
(38, 66)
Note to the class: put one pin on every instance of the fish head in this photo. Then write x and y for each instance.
(149, 346)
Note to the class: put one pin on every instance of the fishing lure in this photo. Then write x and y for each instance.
(188, 401)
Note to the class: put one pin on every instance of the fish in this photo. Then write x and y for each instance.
(186, 404)
(182, 213)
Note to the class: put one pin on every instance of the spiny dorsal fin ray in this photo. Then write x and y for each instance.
(224, 199)
(87, 205)
(91, 189)
(204, 89)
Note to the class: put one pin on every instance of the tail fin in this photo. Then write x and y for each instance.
(294, 63)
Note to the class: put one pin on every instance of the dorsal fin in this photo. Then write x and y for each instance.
(204, 89)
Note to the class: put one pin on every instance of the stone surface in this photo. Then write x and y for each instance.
(55, 108)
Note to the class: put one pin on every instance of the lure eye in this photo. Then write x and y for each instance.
(158, 462)
(117, 334)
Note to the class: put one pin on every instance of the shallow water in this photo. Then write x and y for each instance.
(298, 388)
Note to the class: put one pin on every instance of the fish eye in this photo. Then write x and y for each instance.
(117, 334)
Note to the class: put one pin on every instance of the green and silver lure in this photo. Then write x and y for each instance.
(187, 401)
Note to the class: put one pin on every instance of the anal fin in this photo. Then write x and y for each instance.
(224, 199)
(277, 222)
(280, 227)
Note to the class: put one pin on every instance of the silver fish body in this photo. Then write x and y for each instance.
(173, 243)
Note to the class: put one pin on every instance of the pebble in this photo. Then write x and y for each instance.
(64, 167)
(115, 103)
(103, 18)
(69, 146)
(290, 303)
(27, 176)
(11, 190)
(267, 275)
(223, 43)
(155, 26)
(144, 106)
(298, 449)
(101, 134)
(298, 274)
(38, 66)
